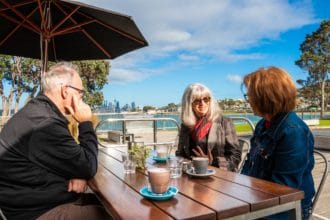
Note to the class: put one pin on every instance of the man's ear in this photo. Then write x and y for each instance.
(64, 92)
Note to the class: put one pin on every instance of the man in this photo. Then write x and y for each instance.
(43, 171)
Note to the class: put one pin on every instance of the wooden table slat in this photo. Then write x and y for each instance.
(256, 199)
(224, 205)
(285, 193)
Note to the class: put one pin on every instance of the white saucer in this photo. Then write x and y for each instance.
(209, 172)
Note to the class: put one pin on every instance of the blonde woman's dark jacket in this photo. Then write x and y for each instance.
(221, 139)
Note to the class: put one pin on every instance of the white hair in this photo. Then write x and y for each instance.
(196, 91)
(60, 74)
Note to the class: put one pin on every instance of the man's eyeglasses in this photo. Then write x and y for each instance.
(199, 101)
(81, 91)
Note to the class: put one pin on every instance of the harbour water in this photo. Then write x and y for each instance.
(169, 125)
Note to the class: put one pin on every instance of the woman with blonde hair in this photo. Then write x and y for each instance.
(205, 132)
(282, 144)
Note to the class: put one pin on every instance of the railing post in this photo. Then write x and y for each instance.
(124, 131)
(155, 132)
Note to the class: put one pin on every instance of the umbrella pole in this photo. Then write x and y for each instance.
(44, 57)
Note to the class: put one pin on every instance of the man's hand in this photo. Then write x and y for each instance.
(199, 153)
(77, 185)
(79, 110)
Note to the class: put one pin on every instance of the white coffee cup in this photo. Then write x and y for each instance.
(200, 164)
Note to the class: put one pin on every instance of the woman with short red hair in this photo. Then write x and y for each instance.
(282, 144)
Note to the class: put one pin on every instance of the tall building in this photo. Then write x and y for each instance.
(133, 106)
(117, 106)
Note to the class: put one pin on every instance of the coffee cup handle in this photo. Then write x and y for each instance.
(192, 169)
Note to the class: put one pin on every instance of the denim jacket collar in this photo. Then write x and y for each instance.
(271, 132)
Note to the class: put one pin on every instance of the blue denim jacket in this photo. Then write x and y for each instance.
(283, 153)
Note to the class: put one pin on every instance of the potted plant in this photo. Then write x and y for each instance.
(140, 153)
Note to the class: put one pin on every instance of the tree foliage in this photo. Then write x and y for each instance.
(171, 107)
(94, 75)
(315, 59)
(20, 75)
(148, 108)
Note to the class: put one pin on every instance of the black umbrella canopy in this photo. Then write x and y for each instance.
(65, 30)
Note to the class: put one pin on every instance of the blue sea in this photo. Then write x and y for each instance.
(169, 125)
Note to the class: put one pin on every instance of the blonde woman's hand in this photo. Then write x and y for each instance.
(199, 153)
(77, 185)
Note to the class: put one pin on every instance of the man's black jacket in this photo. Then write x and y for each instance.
(38, 156)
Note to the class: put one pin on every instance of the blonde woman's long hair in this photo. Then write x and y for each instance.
(196, 91)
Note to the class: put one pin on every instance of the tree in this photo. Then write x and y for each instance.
(21, 75)
(315, 58)
(94, 76)
(148, 108)
(171, 107)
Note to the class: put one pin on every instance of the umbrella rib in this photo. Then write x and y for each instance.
(115, 29)
(85, 32)
(71, 29)
(65, 19)
(43, 22)
(97, 44)
(18, 5)
(121, 32)
(110, 27)
(18, 26)
(20, 15)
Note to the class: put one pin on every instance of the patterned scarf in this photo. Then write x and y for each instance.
(201, 129)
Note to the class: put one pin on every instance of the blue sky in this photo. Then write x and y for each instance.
(214, 42)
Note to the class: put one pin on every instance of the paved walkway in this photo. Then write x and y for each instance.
(322, 143)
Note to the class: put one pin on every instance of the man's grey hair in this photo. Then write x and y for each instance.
(58, 75)
(197, 91)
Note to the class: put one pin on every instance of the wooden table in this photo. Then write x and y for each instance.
(223, 195)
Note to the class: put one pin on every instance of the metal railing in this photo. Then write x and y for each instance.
(248, 121)
(126, 120)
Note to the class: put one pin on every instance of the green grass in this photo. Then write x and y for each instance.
(325, 122)
(245, 128)
(242, 128)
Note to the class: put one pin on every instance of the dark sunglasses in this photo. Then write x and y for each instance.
(199, 101)
(81, 91)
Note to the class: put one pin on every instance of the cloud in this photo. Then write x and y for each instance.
(235, 78)
(217, 30)
(122, 76)
(187, 57)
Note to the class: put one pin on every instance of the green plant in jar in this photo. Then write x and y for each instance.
(140, 153)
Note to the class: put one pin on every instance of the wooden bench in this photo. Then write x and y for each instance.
(118, 137)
